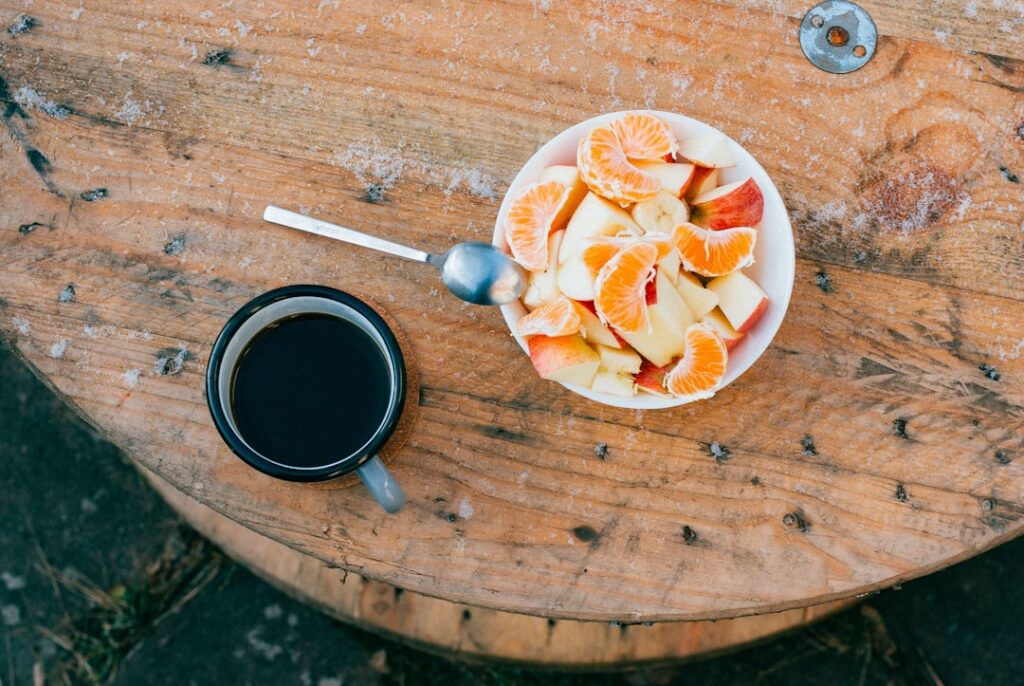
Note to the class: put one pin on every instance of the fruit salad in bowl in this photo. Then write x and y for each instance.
(660, 259)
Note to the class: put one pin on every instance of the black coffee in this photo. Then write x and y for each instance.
(310, 390)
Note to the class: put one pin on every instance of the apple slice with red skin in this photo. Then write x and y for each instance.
(717, 321)
(566, 359)
(707, 151)
(740, 298)
(729, 206)
(704, 179)
(651, 377)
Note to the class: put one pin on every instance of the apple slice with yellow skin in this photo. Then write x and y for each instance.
(675, 177)
(542, 287)
(624, 361)
(740, 298)
(668, 318)
(707, 151)
(717, 321)
(594, 217)
(593, 330)
(699, 299)
(569, 177)
(729, 206)
(614, 384)
(704, 180)
(566, 359)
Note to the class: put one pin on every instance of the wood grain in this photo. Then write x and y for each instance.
(138, 168)
(471, 632)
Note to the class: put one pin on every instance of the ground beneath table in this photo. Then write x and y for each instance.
(71, 508)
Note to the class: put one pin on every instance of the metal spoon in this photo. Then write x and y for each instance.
(476, 272)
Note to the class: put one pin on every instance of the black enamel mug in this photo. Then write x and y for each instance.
(307, 383)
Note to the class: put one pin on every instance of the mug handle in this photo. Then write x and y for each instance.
(382, 486)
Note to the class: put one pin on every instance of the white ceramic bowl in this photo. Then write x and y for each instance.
(774, 255)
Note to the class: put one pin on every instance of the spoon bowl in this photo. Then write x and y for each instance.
(482, 274)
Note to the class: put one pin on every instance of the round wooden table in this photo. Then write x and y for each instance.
(881, 437)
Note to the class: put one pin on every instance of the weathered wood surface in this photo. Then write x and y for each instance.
(144, 141)
(472, 632)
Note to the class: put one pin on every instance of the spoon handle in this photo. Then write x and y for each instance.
(301, 222)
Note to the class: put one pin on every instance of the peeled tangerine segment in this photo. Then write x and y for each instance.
(605, 168)
(644, 137)
(531, 218)
(558, 318)
(599, 251)
(702, 367)
(714, 253)
(620, 287)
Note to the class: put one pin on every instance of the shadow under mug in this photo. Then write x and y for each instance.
(284, 303)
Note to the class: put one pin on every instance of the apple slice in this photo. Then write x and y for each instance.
(729, 206)
(669, 265)
(566, 359)
(593, 330)
(542, 287)
(614, 384)
(619, 361)
(707, 151)
(741, 300)
(594, 217)
(651, 378)
(661, 214)
(675, 178)
(699, 299)
(668, 319)
(717, 321)
(569, 177)
(704, 180)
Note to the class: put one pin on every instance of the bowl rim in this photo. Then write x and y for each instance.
(745, 161)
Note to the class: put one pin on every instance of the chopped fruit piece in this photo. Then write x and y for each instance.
(566, 359)
(704, 180)
(542, 287)
(741, 300)
(708, 151)
(570, 178)
(663, 339)
(644, 137)
(669, 265)
(619, 361)
(702, 368)
(660, 214)
(699, 299)
(674, 178)
(593, 330)
(599, 251)
(621, 284)
(613, 384)
(594, 217)
(714, 253)
(530, 220)
(651, 378)
(604, 168)
(734, 204)
(717, 321)
(558, 318)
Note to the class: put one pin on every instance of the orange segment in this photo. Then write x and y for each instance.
(644, 137)
(530, 220)
(604, 168)
(714, 253)
(599, 250)
(702, 367)
(621, 284)
(557, 318)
